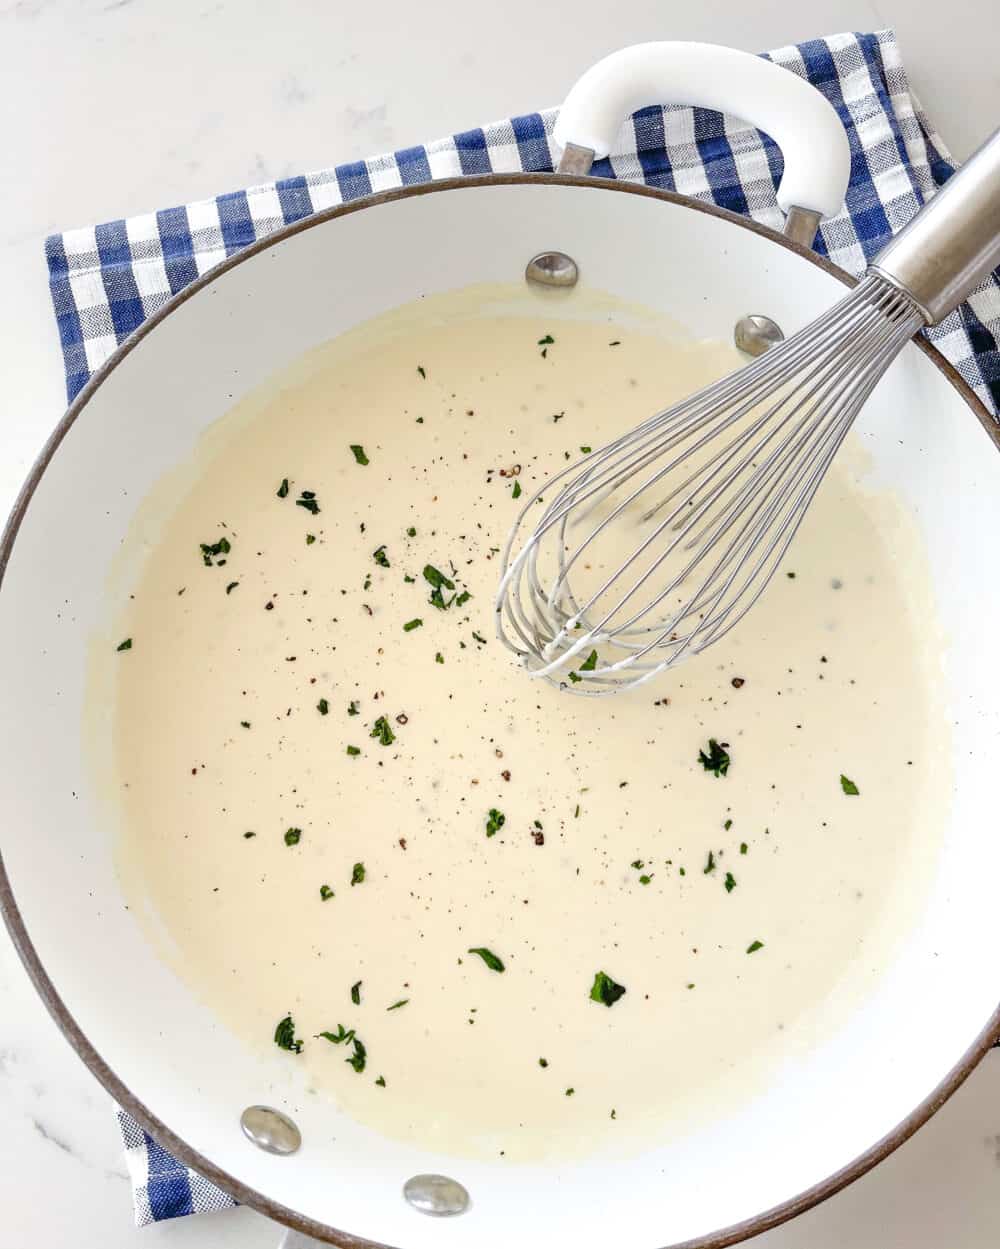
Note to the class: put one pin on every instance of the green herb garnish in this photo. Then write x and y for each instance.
(282, 490)
(590, 663)
(124, 646)
(439, 658)
(710, 864)
(310, 539)
(463, 598)
(284, 1036)
(293, 836)
(716, 760)
(231, 587)
(210, 552)
(249, 835)
(356, 993)
(436, 578)
(488, 957)
(848, 786)
(754, 946)
(342, 1034)
(410, 625)
(644, 880)
(543, 1062)
(380, 558)
(307, 499)
(359, 453)
(411, 532)
(494, 821)
(354, 750)
(323, 707)
(360, 1055)
(575, 678)
(325, 892)
(396, 1005)
(516, 492)
(357, 873)
(420, 370)
(743, 847)
(382, 730)
(730, 882)
(352, 708)
(381, 1082)
(605, 990)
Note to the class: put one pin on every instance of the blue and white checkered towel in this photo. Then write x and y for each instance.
(106, 280)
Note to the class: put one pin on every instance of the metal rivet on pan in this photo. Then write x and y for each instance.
(552, 269)
(270, 1130)
(756, 334)
(436, 1194)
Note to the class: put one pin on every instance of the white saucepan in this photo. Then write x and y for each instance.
(160, 1053)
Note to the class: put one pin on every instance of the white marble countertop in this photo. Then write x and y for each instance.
(114, 106)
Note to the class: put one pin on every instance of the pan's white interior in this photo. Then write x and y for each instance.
(57, 846)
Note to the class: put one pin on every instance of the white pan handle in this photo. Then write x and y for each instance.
(793, 112)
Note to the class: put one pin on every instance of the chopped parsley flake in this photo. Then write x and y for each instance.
(710, 864)
(644, 879)
(439, 658)
(356, 993)
(575, 678)
(210, 552)
(543, 1062)
(352, 708)
(249, 835)
(743, 847)
(421, 371)
(411, 532)
(463, 598)
(357, 873)
(323, 707)
(354, 750)
(728, 825)
(124, 646)
(586, 450)
(359, 453)
(605, 990)
(293, 836)
(325, 892)
(410, 625)
(231, 587)
(570, 1092)
(716, 760)
(348, 1037)
(245, 724)
(488, 957)
(516, 492)
(380, 558)
(284, 1036)
(307, 499)
(494, 821)
(730, 882)
(381, 1082)
(848, 786)
(396, 1005)
(342, 1034)
(436, 578)
(754, 946)
(310, 539)
(590, 663)
(479, 638)
(282, 491)
(382, 730)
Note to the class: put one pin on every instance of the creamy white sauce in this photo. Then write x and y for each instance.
(219, 733)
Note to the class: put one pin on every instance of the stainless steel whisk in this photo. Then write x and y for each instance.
(659, 543)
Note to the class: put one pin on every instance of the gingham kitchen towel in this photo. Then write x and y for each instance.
(106, 280)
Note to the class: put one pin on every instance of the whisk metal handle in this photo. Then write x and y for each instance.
(954, 242)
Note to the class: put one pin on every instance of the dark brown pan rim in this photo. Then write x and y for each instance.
(15, 922)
